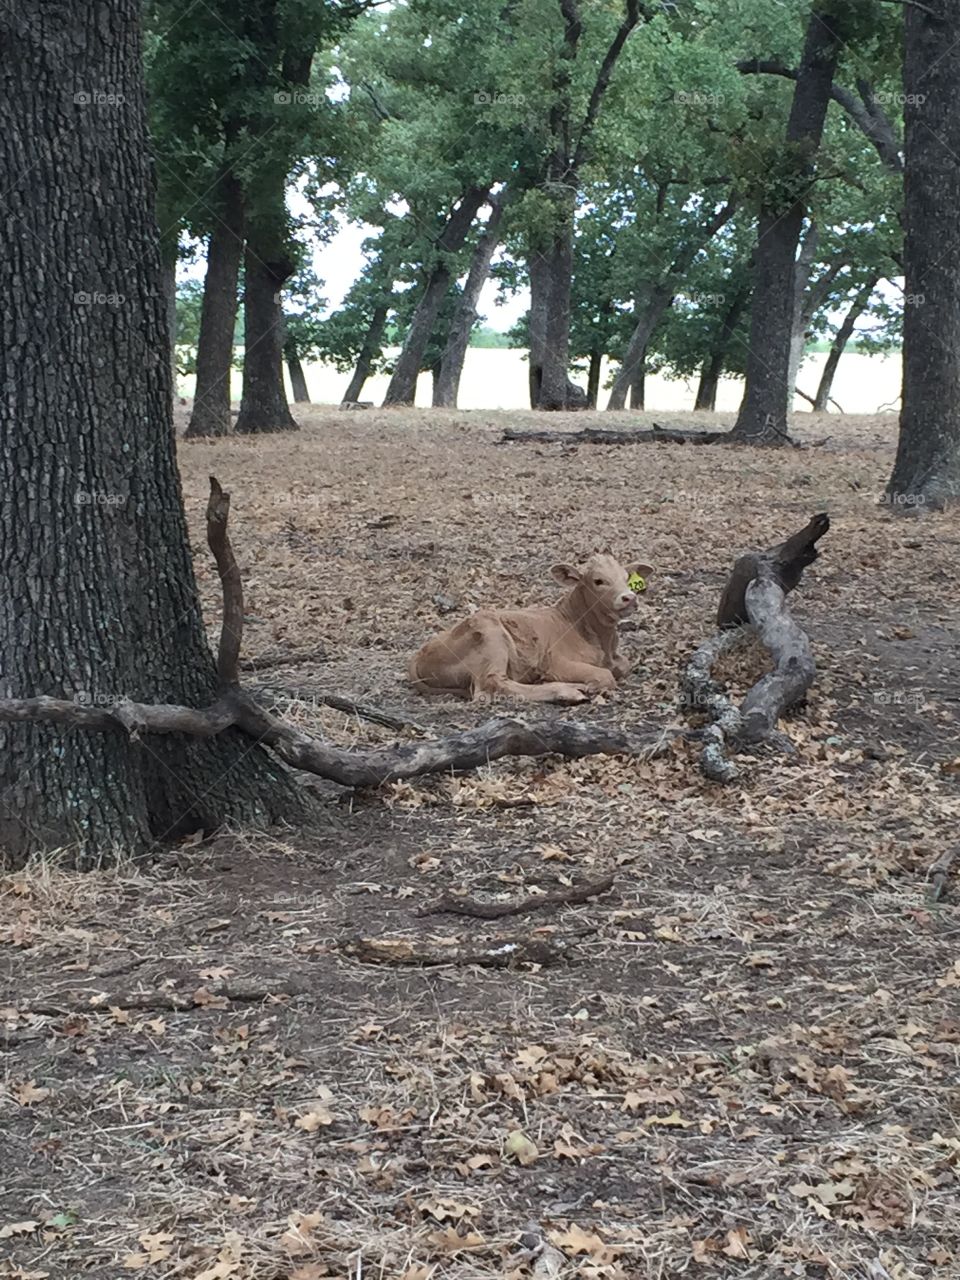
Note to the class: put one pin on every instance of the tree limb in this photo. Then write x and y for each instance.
(866, 114)
(367, 768)
(630, 20)
(495, 953)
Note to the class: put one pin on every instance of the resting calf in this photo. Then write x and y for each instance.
(558, 653)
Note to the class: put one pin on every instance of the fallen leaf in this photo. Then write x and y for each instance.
(315, 1119)
(28, 1093)
(520, 1146)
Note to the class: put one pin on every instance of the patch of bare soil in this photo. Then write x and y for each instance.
(744, 1063)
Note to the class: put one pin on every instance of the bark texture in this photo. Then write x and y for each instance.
(99, 601)
(264, 407)
(927, 468)
(769, 393)
(218, 313)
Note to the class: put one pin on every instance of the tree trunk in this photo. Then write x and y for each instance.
(218, 314)
(403, 384)
(843, 335)
(298, 379)
(99, 597)
(593, 378)
(368, 352)
(801, 314)
(447, 383)
(264, 405)
(551, 273)
(655, 300)
(769, 393)
(927, 468)
(169, 286)
(713, 366)
(639, 385)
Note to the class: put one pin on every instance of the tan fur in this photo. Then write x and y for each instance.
(558, 653)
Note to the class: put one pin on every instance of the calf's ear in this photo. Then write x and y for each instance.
(565, 574)
(644, 570)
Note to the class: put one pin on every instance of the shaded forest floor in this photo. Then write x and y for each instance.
(747, 1066)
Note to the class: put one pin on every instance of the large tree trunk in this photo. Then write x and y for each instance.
(843, 335)
(447, 382)
(264, 407)
(927, 467)
(368, 353)
(218, 314)
(713, 366)
(298, 379)
(403, 384)
(769, 392)
(99, 599)
(655, 300)
(551, 273)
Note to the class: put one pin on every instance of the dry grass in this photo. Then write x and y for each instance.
(750, 1065)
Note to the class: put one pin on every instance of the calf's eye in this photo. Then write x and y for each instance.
(598, 582)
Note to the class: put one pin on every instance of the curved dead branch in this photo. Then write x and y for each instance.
(754, 602)
(350, 768)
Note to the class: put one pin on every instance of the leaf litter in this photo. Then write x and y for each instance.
(748, 1064)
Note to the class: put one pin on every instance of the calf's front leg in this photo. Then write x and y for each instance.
(594, 679)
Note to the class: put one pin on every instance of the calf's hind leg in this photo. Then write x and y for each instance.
(490, 662)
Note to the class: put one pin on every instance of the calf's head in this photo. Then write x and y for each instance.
(602, 585)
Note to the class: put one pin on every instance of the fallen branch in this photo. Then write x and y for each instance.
(367, 768)
(939, 874)
(363, 711)
(168, 1001)
(495, 953)
(285, 660)
(787, 560)
(605, 435)
(452, 905)
(753, 601)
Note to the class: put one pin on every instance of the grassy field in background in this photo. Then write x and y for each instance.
(497, 379)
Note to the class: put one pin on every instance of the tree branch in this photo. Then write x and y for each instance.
(866, 115)
(630, 20)
(368, 768)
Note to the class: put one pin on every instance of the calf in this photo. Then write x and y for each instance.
(562, 652)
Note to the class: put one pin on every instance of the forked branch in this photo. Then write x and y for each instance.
(365, 768)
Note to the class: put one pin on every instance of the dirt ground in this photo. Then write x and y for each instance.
(747, 1062)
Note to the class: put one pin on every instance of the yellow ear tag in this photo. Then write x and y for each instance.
(636, 583)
